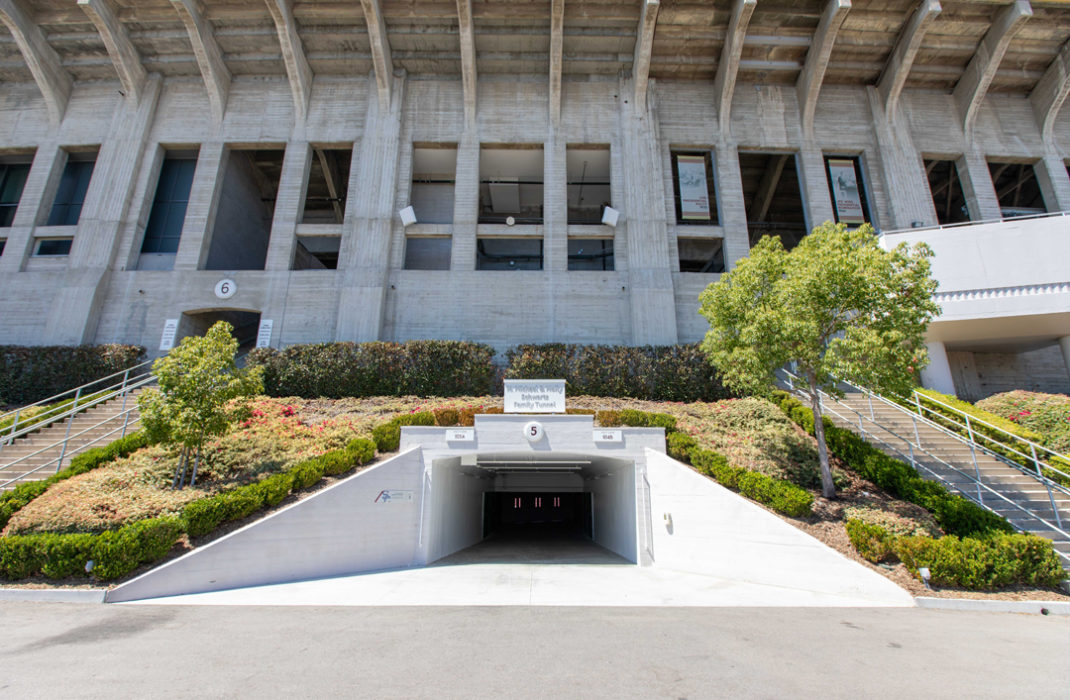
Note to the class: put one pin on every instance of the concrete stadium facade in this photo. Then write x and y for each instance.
(254, 162)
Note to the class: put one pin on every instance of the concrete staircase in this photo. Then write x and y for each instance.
(959, 464)
(35, 456)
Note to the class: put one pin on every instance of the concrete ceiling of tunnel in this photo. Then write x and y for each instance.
(513, 37)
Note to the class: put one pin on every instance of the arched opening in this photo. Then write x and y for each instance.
(245, 323)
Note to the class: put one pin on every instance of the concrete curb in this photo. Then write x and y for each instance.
(1006, 606)
(53, 595)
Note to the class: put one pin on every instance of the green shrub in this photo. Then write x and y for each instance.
(666, 373)
(20, 556)
(118, 552)
(680, 446)
(782, 496)
(338, 370)
(1045, 414)
(873, 542)
(953, 513)
(446, 417)
(65, 556)
(29, 374)
(307, 473)
(983, 563)
(387, 436)
(274, 488)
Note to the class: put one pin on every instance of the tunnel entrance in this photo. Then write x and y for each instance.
(512, 513)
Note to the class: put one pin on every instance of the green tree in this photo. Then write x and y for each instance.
(199, 394)
(838, 305)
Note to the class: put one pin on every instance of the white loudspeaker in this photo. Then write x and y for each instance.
(408, 216)
(610, 216)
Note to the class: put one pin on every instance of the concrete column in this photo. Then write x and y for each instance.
(20, 235)
(977, 188)
(814, 184)
(289, 205)
(465, 203)
(203, 201)
(555, 205)
(731, 205)
(1064, 345)
(938, 374)
(901, 166)
(363, 259)
(1054, 182)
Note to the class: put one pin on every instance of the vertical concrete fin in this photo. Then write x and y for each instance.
(724, 85)
(557, 42)
(809, 83)
(209, 57)
(1050, 93)
(467, 35)
(897, 69)
(972, 87)
(123, 53)
(380, 46)
(44, 63)
(293, 55)
(644, 46)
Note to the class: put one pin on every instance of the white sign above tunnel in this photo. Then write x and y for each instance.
(534, 395)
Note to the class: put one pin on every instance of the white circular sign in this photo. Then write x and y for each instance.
(533, 431)
(225, 289)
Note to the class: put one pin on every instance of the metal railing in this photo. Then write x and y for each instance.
(978, 490)
(961, 224)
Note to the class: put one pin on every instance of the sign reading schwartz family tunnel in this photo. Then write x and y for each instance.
(534, 395)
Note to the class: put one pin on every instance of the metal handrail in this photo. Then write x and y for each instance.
(911, 458)
(53, 399)
(962, 224)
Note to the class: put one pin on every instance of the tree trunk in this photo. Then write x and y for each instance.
(180, 469)
(828, 488)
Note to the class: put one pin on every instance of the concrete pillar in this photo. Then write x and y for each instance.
(1054, 182)
(1064, 345)
(904, 174)
(465, 203)
(938, 373)
(731, 205)
(289, 206)
(977, 187)
(363, 259)
(555, 205)
(203, 201)
(814, 183)
(20, 235)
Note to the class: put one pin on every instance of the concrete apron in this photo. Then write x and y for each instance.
(408, 532)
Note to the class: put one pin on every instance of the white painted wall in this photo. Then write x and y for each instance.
(615, 509)
(456, 508)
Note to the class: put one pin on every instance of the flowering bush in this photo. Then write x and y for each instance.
(1046, 414)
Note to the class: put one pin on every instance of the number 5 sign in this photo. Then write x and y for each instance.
(225, 289)
(533, 431)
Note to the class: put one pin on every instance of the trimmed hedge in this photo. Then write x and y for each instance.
(338, 370)
(953, 513)
(973, 563)
(387, 436)
(663, 373)
(29, 374)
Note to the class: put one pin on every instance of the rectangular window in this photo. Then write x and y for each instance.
(12, 180)
(510, 184)
(328, 184)
(434, 172)
(692, 181)
(1017, 189)
(70, 196)
(772, 197)
(587, 170)
(317, 253)
(590, 254)
(3, 244)
(53, 247)
(946, 191)
(169, 205)
(243, 219)
(509, 254)
(427, 253)
(847, 189)
(701, 254)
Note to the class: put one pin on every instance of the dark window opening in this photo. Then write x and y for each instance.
(53, 247)
(701, 254)
(510, 185)
(773, 197)
(243, 219)
(73, 185)
(12, 180)
(590, 254)
(427, 253)
(1017, 189)
(587, 173)
(246, 325)
(693, 192)
(847, 189)
(509, 254)
(328, 184)
(434, 172)
(168, 214)
(3, 244)
(317, 253)
(946, 190)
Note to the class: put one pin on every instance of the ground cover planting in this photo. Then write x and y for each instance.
(1045, 414)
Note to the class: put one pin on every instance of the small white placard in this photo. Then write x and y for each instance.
(263, 336)
(394, 496)
(461, 435)
(534, 395)
(534, 432)
(170, 328)
(609, 436)
(225, 289)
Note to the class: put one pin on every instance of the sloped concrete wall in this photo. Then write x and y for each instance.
(344, 529)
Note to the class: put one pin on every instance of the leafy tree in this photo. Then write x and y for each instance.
(199, 382)
(838, 305)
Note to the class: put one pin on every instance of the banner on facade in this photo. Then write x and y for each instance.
(847, 194)
(694, 190)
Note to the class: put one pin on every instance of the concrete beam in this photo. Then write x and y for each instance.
(467, 35)
(557, 41)
(123, 53)
(384, 64)
(44, 63)
(808, 85)
(724, 85)
(644, 44)
(209, 57)
(972, 87)
(293, 55)
(1050, 93)
(896, 71)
